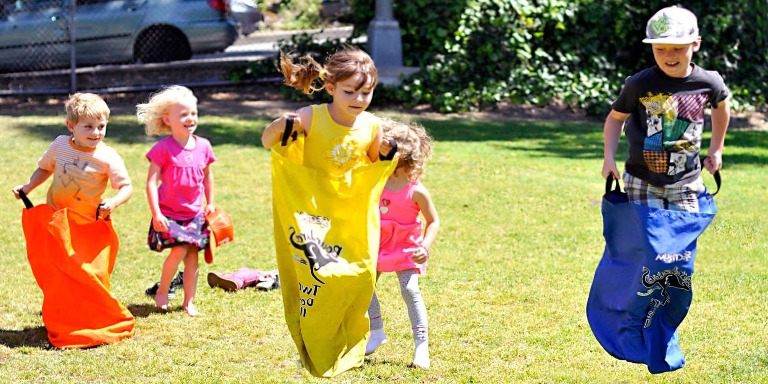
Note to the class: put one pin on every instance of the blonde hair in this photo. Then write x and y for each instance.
(414, 145)
(82, 105)
(340, 66)
(150, 114)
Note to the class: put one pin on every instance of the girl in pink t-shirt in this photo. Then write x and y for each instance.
(178, 178)
(403, 249)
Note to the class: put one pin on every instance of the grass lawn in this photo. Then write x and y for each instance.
(506, 289)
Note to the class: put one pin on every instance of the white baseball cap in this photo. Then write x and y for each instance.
(672, 25)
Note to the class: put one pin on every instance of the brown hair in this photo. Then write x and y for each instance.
(340, 66)
(82, 105)
(414, 145)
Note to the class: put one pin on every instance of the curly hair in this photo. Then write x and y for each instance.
(82, 105)
(150, 114)
(414, 145)
(340, 66)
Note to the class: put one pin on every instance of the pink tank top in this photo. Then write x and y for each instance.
(401, 229)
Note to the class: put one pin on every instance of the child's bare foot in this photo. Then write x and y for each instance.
(191, 311)
(161, 301)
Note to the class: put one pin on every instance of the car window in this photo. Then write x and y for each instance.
(23, 6)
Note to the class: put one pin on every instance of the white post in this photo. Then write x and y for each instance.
(384, 40)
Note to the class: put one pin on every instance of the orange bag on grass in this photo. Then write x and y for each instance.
(72, 257)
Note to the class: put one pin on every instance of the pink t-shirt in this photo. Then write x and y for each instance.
(401, 229)
(180, 194)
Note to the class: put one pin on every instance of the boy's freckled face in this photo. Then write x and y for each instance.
(674, 59)
(88, 131)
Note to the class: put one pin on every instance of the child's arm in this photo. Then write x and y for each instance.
(611, 134)
(208, 187)
(422, 198)
(273, 133)
(108, 205)
(159, 222)
(38, 177)
(373, 150)
(721, 116)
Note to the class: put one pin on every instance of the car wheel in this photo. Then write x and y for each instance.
(161, 45)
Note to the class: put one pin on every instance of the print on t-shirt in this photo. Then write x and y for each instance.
(675, 124)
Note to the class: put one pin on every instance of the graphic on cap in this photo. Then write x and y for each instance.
(672, 25)
(659, 26)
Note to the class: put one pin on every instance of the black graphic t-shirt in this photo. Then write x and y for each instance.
(666, 122)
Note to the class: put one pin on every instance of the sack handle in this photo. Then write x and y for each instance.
(609, 182)
(25, 199)
(718, 181)
(391, 154)
(288, 132)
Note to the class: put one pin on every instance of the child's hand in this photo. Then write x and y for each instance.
(16, 190)
(209, 209)
(419, 254)
(609, 168)
(385, 147)
(105, 208)
(713, 162)
(160, 223)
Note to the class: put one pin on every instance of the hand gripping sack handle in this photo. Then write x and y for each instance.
(69, 252)
(642, 287)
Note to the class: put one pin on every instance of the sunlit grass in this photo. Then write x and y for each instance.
(505, 290)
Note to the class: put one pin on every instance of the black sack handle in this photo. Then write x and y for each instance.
(609, 182)
(98, 209)
(718, 181)
(25, 199)
(391, 154)
(288, 132)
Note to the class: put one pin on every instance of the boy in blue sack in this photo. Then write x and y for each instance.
(642, 288)
(663, 107)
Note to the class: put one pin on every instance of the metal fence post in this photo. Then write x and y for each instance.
(72, 49)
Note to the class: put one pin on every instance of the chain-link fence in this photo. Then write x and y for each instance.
(62, 46)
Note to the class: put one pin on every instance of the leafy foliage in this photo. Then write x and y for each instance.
(475, 53)
(572, 52)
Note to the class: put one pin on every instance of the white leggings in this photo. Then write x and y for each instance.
(417, 311)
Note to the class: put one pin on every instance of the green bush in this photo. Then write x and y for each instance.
(572, 52)
(475, 53)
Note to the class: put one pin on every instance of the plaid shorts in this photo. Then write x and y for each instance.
(682, 198)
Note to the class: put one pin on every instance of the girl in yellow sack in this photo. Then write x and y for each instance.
(326, 186)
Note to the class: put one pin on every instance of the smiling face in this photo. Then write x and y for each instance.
(350, 98)
(88, 132)
(181, 117)
(675, 59)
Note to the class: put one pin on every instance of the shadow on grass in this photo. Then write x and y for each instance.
(35, 337)
(144, 310)
(582, 140)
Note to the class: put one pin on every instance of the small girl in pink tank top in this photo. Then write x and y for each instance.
(403, 248)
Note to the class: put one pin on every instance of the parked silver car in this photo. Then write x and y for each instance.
(34, 34)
